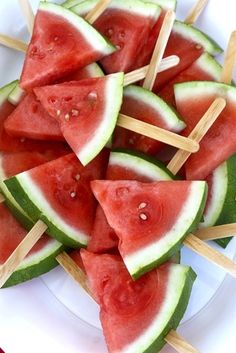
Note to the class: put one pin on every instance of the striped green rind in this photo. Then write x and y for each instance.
(141, 264)
(21, 190)
(178, 292)
(16, 94)
(194, 34)
(210, 65)
(169, 115)
(164, 4)
(6, 90)
(38, 265)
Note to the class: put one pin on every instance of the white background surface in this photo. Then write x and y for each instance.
(32, 320)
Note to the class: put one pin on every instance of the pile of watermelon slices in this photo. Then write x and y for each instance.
(100, 187)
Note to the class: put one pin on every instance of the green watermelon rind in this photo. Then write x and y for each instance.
(99, 43)
(170, 116)
(95, 70)
(144, 260)
(138, 7)
(38, 265)
(180, 282)
(210, 65)
(194, 34)
(141, 163)
(16, 95)
(6, 90)
(113, 98)
(21, 187)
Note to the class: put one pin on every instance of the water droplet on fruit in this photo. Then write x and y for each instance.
(74, 112)
(73, 194)
(77, 177)
(110, 32)
(142, 205)
(122, 191)
(143, 216)
(118, 47)
(22, 139)
(56, 38)
(67, 117)
(198, 46)
(58, 113)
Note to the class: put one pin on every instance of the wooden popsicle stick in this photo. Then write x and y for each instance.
(195, 11)
(13, 43)
(230, 59)
(139, 74)
(2, 198)
(198, 133)
(73, 270)
(212, 255)
(159, 50)
(21, 251)
(179, 344)
(216, 232)
(168, 137)
(28, 13)
(93, 15)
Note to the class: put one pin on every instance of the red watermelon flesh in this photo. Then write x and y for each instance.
(58, 47)
(194, 73)
(65, 183)
(12, 233)
(148, 205)
(127, 31)
(103, 237)
(124, 302)
(30, 120)
(219, 142)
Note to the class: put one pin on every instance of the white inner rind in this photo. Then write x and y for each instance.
(208, 64)
(165, 4)
(170, 119)
(152, 252)
(193, 34)
(40, 255)
(135, 7)
(174, 290)
(95, 70)
(138, 165)
(113, 97)
(5, 91)
(39, 200)
(91, 35)
(16, 95)
(218, 194)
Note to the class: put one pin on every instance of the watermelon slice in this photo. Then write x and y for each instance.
(40, 259)
(58, 193)
(220, 207)
(192, 100)
(87, 111)
(123, 166)
(126, 24)
(136, 316)
(144, 105)
(205, 68)
(151, 220)
(61, 43)
(187, 42)
(165, 4)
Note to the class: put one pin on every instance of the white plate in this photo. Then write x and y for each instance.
(208, 314)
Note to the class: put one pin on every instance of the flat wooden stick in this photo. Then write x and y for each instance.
(179, 344)
(198, 133)
(73, 270)
(216, 232)
(212, 255)
(159, 50)
(13, 43)
(139, 74)
(2, 198)
(157, 133)
(195, 11)
(28, 13)
(93, 15)
(21, 251)
(230, 59)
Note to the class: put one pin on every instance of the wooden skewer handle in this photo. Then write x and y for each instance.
(21, 251)
(93, 15)
(179, 344)
(196, 11)
(217, 232)
(28, 13)
(13, 43)
(157, 133)
(230, 59)
(212, 255)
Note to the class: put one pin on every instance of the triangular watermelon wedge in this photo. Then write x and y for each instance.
(151, 220)
(59, 193)
(123, 165)
(87, 111)
(126, 24)
(62, 42)
(192, 100)
(136, 316)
